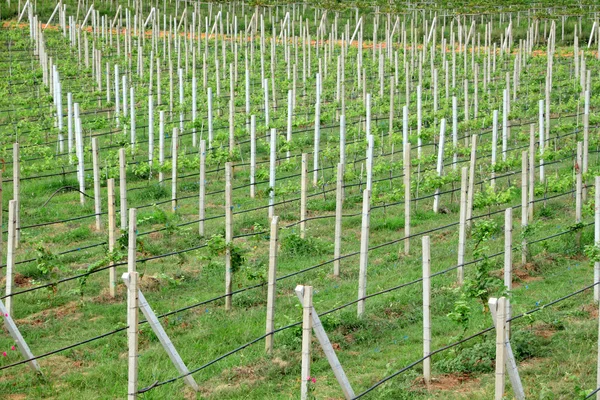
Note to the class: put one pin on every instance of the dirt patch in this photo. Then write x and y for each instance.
(61, 365)
(458, 383)
(70, 309)
(592, 310)
(149, 283)
(22, 280)
(524, 273)
(106, 298)
(543, 330)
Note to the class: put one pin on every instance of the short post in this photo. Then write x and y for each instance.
(306, 339)
(364, 252)
(271, 288)
(112, 239)
(426, 310)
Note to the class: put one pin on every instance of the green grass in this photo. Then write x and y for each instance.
(555, 348)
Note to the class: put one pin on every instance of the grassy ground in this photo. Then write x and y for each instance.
(555, 347)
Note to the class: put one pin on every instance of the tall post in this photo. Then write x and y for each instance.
(252, 155)
(339, 203)
(132, 308)
(202, 190)
(500, 353)
(426, 310)
(112, 237)
(174, 156)
(96, 167)
(17, 192)
(228, 234)
(470, 193)
(272, 161)
(303, 189)
(10, 253)
(123, 188)
(508, 259)
(306, 339)
(271, 288)
(406, 165)
(462, 227)
(524, 208)
(364, 252)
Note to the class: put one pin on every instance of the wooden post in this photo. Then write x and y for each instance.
(531, 172)
(96, 166)
(228, 233)
(202, 184)
(150, 131)
(500, 338)
(542, 140)
(112, 237)
(14, 332)
(321, 335)
(303, 188)
(132, 118)
(271, 288)
(123, 188)
(406, 166)
(317, 139)
(462, 226)
(306, 339)
(511, 365)
(252, 155)
(586, 138)
(508, 260)
(272, 162)
(524, 208)
(339, 204)
(10, 252)
(471, 180)
(579, 183)
(494, 146)
(163, 338)
(132, 307)
(174, 147)
(210, 118)
(440, 163)
(597, 235)
(364, 252)
(426, 310)
(289, 122)
(17, 192)
(161, 146)
(504, 123)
